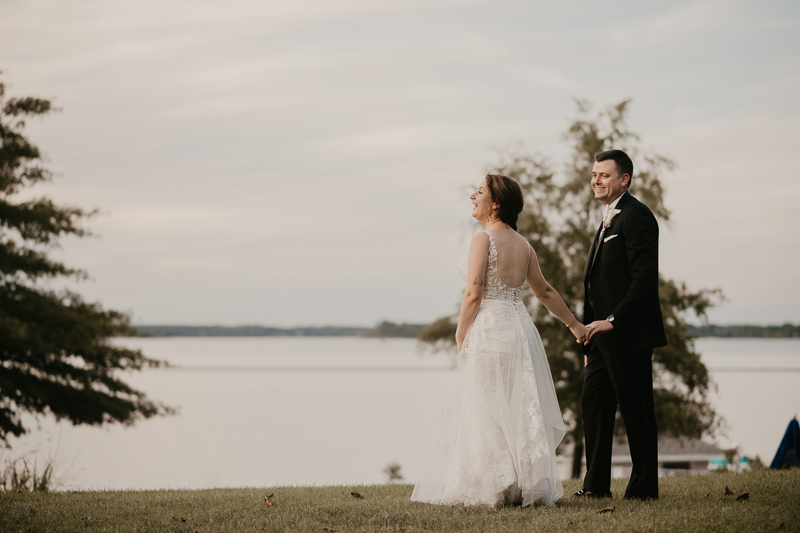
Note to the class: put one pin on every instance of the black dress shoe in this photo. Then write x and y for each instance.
(583, 493)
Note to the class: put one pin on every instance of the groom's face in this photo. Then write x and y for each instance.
(607, 184)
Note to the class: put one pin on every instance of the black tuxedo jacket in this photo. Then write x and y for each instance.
(623, 281)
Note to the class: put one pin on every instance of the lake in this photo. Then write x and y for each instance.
(267, 411)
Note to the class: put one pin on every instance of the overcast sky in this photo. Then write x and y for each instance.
(305, 162)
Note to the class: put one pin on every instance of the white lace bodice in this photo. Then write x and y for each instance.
(495, 288)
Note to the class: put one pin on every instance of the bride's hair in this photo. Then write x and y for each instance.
(508, 194)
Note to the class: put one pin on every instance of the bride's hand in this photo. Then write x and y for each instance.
(461, 336)
(580, 331)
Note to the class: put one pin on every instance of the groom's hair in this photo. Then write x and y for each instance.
(508, 194)
(624, 163)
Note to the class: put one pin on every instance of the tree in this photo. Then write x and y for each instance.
(56, 356)
(560, 220)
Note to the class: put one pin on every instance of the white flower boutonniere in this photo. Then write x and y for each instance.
(609, 216)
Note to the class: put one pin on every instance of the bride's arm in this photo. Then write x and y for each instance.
(476, 279)
(546, 294)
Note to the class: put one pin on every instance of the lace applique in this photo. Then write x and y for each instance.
(495, 288)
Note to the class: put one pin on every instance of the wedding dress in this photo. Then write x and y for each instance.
(497, 441)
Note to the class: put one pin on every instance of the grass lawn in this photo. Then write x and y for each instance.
(688, 503)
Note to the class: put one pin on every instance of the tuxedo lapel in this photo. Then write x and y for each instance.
(598, 241)
(595, 249)
(592, 253)
(626, 197)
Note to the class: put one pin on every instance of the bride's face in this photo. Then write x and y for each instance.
(482, 205)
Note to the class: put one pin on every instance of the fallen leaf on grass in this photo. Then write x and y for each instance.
(728, 491)
(268, 499)
(606, 510)
(356, 495)
(745, 496)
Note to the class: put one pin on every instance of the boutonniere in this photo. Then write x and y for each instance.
(609, 216)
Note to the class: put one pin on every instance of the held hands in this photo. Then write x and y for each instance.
(579, 330)
(583, 334)
(598, 327)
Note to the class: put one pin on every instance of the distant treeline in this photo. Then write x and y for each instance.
(384, 329)
(390, 329)
(786, 330)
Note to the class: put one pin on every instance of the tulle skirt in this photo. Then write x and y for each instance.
(498, 437)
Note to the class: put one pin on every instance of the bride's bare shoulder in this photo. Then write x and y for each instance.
(479, 243)
(521, 243)
(522, 239)
(480, 238)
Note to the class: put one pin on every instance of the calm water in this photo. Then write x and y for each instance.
(298, 411)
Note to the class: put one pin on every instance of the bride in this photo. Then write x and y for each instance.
(497, 441)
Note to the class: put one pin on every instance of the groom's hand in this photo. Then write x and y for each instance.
(598, 327)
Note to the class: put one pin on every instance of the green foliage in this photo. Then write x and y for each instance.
(688, 503)
(440, 334)
(19, 476)
(755, 464)
(560, 219)
(392, 471)
(55, 351)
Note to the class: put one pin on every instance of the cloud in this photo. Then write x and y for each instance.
(262, 155)
(700, 17)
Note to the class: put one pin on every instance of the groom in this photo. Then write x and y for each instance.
(623, 315)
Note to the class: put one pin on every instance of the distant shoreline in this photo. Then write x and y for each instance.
(763, 332)
(390, 329)
(382, 330)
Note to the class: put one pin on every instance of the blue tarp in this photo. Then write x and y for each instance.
(789, 448)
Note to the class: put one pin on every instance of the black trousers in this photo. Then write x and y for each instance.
(627, 381)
